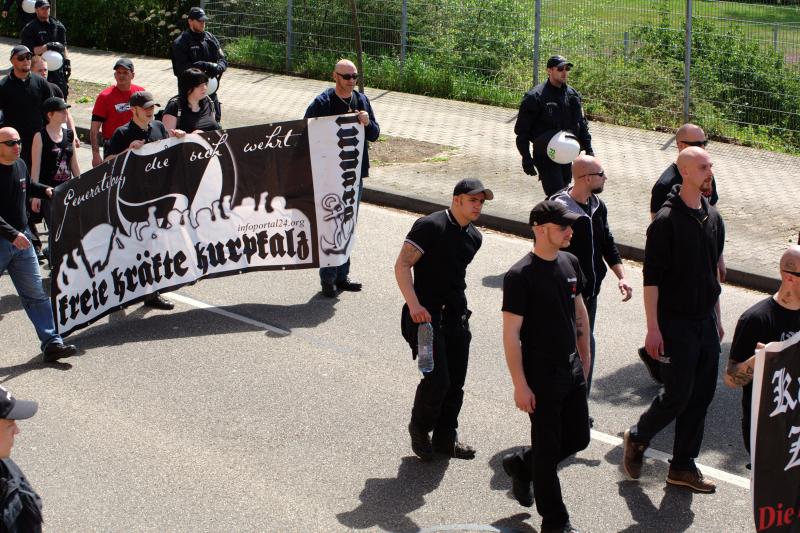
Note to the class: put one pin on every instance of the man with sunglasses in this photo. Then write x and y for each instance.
(16, 253)
(22, 94)
(592, 241)
(684, 324)
(45, 33)
(339, 100)
(546, 343)
(775, 318)
(545, 110)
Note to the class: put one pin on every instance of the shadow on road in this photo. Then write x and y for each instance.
(494, 282)
(10, 372)
(386, 503)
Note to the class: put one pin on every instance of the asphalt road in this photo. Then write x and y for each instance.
(278, 410)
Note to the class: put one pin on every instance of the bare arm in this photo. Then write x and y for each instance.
(653, 343)
(408, 257)
(75, 166)
(170, 121)
(524, 398)
(624, 287)
(739, 374)
(583, 335)
(94, 140)
(36, 165)
(718, 311)
(71, 125)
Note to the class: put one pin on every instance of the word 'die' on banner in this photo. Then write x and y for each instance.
(273, 196)
(775, 437)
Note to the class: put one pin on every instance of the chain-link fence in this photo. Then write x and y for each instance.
(733, 67)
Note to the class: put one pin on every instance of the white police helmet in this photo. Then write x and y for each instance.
(563, 147)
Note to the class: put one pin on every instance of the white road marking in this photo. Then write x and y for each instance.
(612, 440)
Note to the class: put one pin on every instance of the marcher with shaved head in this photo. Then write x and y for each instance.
(684, 327)
(775, 318)
(341, 99)
(16, 253)
(592, 241)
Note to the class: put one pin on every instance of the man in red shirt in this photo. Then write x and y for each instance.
(111, 109)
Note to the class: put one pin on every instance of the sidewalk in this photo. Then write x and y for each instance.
(759, 191)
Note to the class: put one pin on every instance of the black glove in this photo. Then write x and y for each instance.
(55, 47)
(528, 167)
(67, 68)
(590, 152)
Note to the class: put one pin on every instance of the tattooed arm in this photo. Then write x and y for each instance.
(739, 374)
(582, 334)
(408, 256)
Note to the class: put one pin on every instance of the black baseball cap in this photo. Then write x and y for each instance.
(13, 409)
(143, 99)
(550, 212)
(54, 103)
(41, 3)
(124, 62)
(197, 13)
(20, 49)
(557, 61)
(472, 186)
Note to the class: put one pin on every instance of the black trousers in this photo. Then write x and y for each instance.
(690, 380)
(440, 393)
(553, 176)
(559, 428)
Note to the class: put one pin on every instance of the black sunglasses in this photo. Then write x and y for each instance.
(349, 76)
(12, 143)
(601, 174)
(23, 57)
(562, 69)
(704, 142)
(795, 274)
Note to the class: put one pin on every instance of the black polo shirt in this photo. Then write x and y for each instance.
(543, 293)
(21, 102)
(130, 132)
(15, 186)
(447, 249)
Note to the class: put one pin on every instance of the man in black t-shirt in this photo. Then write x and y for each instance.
(142, 129)
(775, 318)
(438, 248)
(544, 323)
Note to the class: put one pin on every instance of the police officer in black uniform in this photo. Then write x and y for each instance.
(438, 248)
(20, 506)
(45, 33)
(545, 110)
(197, 48)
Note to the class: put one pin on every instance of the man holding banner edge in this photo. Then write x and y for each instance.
(339, 100)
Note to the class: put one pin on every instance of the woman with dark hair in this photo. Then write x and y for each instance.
(191, 110)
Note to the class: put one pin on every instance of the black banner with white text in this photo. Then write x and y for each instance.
(274, 196)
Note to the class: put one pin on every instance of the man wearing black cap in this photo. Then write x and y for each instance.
(21, 508)
(112, 108)
(197, 48)
(141, 130)
(439, 248)
(545, 110)
(16, 253)
(44, 33)
(23, 17)
(545, 323)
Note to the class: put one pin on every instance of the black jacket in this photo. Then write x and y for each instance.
(592, 241)
(15, 188)
(21, 103)
(681, 255)
(199, 50)
(548, 108)
(21, 506)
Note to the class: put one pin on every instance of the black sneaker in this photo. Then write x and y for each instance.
(420, 442)
(58, 350)
(566, 528)
(329, 290)
(348, 285)
(157, 301)
(514, 466)
(455, 449)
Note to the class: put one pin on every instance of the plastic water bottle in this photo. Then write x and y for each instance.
(425, 347)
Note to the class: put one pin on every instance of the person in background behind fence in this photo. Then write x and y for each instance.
(439, 248)
(197, 48)
(545, 110)
(339, 100)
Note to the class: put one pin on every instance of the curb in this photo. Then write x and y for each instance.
(742, 278)
(519, 228)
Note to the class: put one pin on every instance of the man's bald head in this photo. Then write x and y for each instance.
(344, 64)
(8, 133)
(584, 164)
(790, 260)
(9, 154)
(689, 135)
(695, 164)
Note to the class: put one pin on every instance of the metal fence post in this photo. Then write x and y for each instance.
(775, 37)
(626, 40)
(203, 4)
(687, 62)
(403, 34)
(289, 35)
(537, 35)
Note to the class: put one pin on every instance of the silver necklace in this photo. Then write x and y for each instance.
(348, 103)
